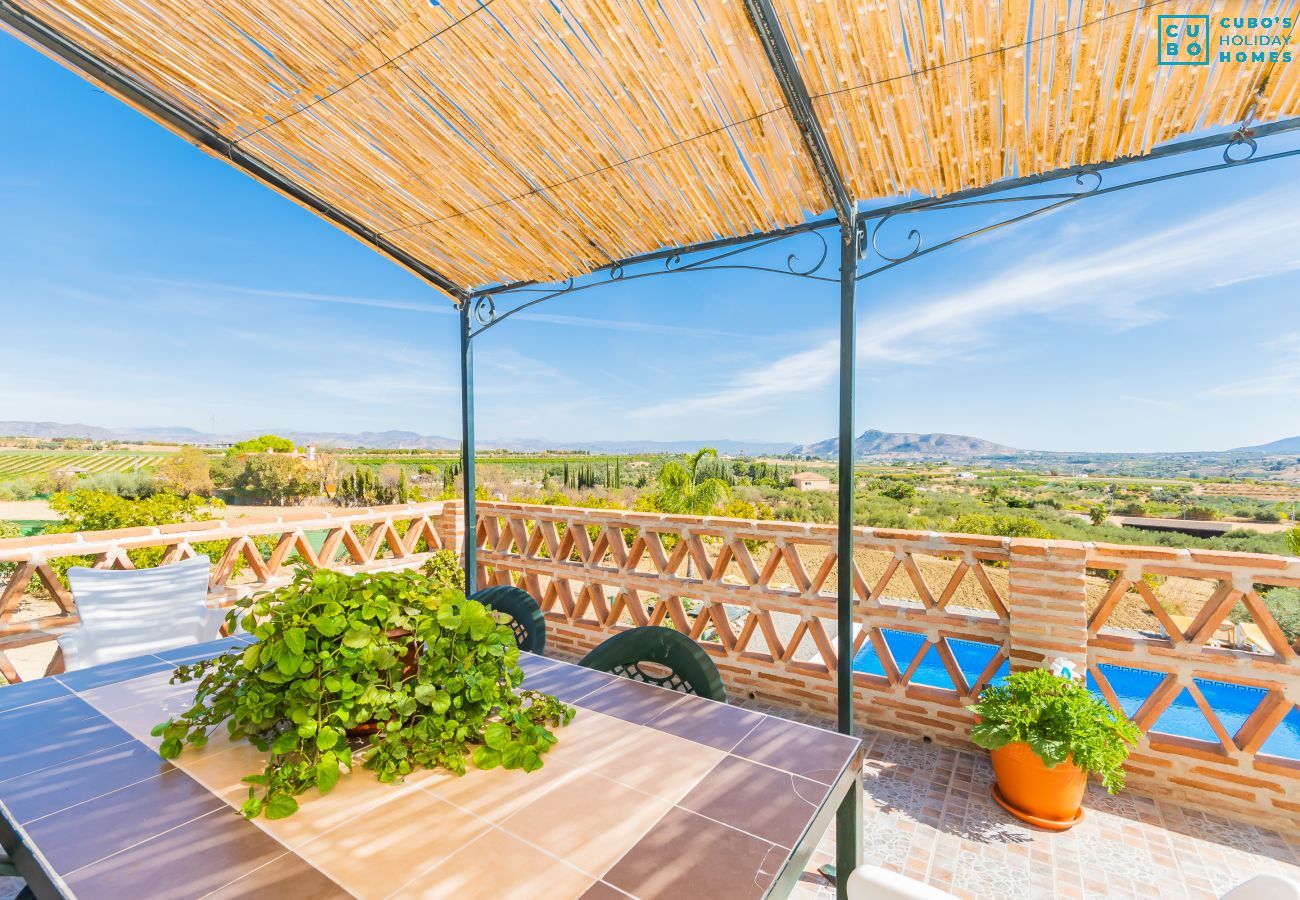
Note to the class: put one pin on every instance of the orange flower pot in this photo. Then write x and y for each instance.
(1030, 791)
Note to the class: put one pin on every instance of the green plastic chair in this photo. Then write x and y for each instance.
(526, 618)
(690, 670)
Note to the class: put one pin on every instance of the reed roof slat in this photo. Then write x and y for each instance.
(504, 140)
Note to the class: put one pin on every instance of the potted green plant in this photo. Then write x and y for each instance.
(390, 671)
(1047, 734)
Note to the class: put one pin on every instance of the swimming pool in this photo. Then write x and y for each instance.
(1232, 703)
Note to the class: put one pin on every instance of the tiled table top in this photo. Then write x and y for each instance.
(648, 793)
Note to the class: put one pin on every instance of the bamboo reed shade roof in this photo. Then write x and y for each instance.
(508, 140)
(915, 95)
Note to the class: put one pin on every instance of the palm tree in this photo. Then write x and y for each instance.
(681, 491)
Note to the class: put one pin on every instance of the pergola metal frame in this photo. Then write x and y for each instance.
(479, 314)
(478, 310)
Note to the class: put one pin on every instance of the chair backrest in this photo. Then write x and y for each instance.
(686, 666)
(132, 612)
(526, 618)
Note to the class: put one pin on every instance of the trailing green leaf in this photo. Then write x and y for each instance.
(435, 675)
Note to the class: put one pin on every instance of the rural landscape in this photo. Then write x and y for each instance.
(1242, 500)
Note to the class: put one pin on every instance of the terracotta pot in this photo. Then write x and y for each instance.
(1030, 791)
(410, 665)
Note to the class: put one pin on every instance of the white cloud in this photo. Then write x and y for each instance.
(1110, 277)
(1281, 380)
(759, 388)
(443, 308)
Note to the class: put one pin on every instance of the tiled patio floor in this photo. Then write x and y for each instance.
(928, 813)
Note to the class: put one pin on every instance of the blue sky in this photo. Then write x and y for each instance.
(143, 283)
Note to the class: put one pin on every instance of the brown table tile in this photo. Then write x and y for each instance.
(285, 878)
(53, 732)
(377, 852)
(26, 693)
(49, 790)
(97, 676)
(707, 722)
(532, 664)
(189, 861)
(632, 701)
(774, 805)
(567, 682)
(812, 752)
(686, 855)
(589, 821)
(497, 866)
(90, 831)
(602, 891)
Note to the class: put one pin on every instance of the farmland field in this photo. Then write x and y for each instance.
(37, 464)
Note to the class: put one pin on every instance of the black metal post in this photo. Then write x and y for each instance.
(467, 447)
(848, 820)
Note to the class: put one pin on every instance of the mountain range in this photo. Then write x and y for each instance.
(872, 443)
(909, 445)
(380, 440)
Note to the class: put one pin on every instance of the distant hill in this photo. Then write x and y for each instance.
(901, 444)
(1285, 445)
(45, 430)
(380, 440)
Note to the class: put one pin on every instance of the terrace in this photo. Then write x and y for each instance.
(1212, 786)
(613, 141)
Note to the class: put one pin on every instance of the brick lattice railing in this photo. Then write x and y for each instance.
(760, 597)
(249, 555)
(937, 615)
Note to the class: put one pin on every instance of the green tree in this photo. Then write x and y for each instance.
(1293, 541)
(186, 472)
(679, 490)
(261, 444)
(90, 510)
(86, 510)
(276, 479)
(1097, 514)
(1001, 526)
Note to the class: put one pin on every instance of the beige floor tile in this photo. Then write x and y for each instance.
(588, 821)
(497, 793)
(496, 867)
(356, 794)
(152, 688)
(592, 737)
(221, 769)
(375, 853)
(658, 763)
(138, 721)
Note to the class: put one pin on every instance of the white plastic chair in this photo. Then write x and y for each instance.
(875, 883)
(1265, 887)
(133, 612)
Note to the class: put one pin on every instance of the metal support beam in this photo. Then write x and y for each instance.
(194, 130)
(772, 37)
(467, 448)
(848, 821)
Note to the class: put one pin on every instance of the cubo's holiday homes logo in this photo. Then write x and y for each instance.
(1184, 40)
(1192, 40)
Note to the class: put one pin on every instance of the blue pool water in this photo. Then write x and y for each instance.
(1231, 702)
